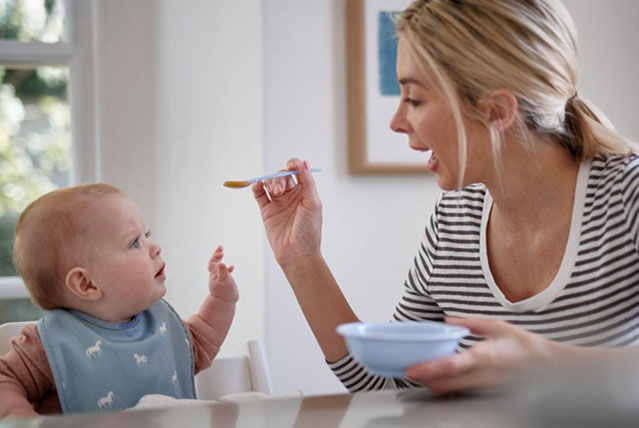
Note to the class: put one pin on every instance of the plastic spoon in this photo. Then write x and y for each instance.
(238, 184)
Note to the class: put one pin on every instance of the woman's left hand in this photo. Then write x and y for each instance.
(503, 357)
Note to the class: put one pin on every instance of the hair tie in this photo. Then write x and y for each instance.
(572, 98)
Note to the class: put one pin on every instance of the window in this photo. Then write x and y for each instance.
(37, 68)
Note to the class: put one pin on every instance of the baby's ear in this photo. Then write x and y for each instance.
(79, 282)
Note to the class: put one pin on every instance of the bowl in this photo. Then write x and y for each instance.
(389, 348)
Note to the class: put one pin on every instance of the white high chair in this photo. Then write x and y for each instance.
(9, 330)
(236, 376)
(233, 376)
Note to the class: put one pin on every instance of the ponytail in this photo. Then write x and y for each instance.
(589, 133)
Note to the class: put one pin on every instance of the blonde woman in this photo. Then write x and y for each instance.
(534, 244)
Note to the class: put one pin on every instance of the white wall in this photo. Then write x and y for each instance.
(609, 58)
(240, 86)
(208, 66)
(126, 99)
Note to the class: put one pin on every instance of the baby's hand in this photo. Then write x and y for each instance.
(221, 282)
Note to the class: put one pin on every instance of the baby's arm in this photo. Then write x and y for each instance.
(25, 374)
(212, 322)
(14, 403)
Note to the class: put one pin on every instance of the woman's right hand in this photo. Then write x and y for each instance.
(292, 214)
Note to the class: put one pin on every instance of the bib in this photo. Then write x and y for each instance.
(100, 365)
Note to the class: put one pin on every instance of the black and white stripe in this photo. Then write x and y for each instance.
(598, 305)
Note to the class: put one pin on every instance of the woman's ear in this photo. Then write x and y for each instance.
(79, 282)
(500, 109)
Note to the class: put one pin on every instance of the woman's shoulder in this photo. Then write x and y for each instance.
(620, 169)
(615, 164)
(472, 195)
(465, 202)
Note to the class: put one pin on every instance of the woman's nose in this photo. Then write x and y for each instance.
(398, 121)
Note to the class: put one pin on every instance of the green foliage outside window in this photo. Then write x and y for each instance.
(34, 119)
(32, 20)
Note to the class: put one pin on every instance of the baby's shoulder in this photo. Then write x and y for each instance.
(21, 333)
(25, 348)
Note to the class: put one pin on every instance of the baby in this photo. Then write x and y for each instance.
(107, 337)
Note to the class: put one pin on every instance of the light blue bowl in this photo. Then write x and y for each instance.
(389, 348)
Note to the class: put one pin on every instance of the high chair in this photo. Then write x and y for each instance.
(246, 372)
(9, 330)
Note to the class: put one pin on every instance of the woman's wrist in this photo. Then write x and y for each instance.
(564, 355)
(305, 269)
(302, 261)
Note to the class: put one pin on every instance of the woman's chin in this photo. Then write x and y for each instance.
(446, 183)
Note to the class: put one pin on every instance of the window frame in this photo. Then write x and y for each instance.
(79, 53)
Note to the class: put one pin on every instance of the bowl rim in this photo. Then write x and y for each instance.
(354, 330)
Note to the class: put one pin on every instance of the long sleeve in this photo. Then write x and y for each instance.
(207, 337)
(629, 189)
(25, 373)
(415, 304)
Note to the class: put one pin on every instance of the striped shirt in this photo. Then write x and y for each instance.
(592, 301)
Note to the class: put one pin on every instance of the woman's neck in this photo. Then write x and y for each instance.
(534, 186)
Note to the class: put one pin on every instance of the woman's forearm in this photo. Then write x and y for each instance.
(322, 303)
(595, 355)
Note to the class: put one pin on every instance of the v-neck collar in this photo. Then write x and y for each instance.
(546, 296)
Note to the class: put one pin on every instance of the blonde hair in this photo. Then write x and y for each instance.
(46, 239)
(528, 47)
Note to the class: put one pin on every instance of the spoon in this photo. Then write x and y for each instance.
(238, 184)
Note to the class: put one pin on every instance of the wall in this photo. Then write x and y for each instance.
(609, 58)
(125, 91)
(208, 63)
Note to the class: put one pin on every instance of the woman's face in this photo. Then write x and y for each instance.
(425, 116)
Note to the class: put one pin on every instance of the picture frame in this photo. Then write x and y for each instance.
(373, 91)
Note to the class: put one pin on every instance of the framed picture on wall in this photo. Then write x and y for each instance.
(373, 91)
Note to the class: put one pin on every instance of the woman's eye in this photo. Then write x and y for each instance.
(147, 234)
(411, 102)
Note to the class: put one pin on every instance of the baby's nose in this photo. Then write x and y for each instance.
(156, 249)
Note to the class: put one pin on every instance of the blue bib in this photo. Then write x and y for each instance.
(100, 365)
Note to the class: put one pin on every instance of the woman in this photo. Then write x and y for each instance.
(534, 246)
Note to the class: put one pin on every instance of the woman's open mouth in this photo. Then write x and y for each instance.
(431, 160)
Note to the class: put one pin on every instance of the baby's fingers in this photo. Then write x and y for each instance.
(216, 257)
(218, 254)
(222, 272)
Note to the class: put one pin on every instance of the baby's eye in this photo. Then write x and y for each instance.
(147, 234)
(135, 243)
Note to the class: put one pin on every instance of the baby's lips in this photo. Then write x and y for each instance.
(161, 271)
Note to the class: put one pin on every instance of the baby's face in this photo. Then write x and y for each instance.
(124, 263)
